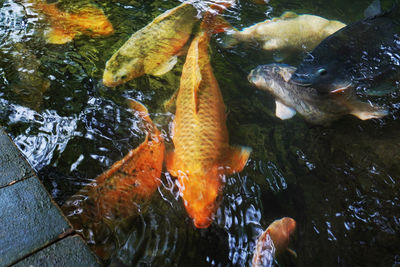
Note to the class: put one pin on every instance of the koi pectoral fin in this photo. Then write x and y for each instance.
(58, 35)
(165, 67)
(235, 159)
(284, 112)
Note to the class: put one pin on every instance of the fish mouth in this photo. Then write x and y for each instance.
(108, 80)
(300, 83)
(300, 80)
(256, 75)
(202, 224)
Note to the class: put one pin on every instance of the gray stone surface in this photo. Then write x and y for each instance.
(29, 220)
(70, 251)
(13, 167)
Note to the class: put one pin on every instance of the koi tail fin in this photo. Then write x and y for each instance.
(366, 111)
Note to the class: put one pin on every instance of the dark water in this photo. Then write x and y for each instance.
(340, 183)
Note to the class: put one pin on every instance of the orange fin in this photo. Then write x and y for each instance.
(57, 35)
(170, 163)
(236, 158)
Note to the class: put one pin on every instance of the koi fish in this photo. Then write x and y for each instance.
(116, 196)
(29, 85)
(64, 26)
(154, 48)
(314, 107)
(202, 153)
(288, 33)
(273, 240)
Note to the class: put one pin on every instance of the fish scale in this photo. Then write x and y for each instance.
(206, 120)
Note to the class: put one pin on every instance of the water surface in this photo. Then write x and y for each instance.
(340, 182)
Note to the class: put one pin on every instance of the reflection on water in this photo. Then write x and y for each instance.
(340, 183)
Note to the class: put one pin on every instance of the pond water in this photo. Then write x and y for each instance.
(340, 182)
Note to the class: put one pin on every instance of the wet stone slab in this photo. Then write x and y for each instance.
(13, 167)
(70, 251)
(29, 220)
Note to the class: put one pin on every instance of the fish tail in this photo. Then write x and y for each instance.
(229, 39)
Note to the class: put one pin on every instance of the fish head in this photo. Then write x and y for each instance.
(271, 77)
(120, 69)
(200, 196)
(326, 77)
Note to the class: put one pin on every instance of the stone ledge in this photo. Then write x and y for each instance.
(70, 251)
(13, 166)
(29, 220)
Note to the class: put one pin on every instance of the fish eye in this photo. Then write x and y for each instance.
(322, 72)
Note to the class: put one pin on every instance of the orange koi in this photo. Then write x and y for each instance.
(275, 238)
(66, 25)
(115, 197)
(202, 153)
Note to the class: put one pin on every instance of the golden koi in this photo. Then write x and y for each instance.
(279, 233)
(202, 153)
(64, 26)
(116, 196)
(154, 48)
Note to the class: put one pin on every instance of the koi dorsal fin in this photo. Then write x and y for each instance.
(139, 107)
(195, 74)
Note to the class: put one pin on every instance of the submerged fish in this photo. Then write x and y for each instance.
(154, 48)
(101, 209)
(288, 33)
(64, 26)
(314, 107)
(29, 85)
(364, 54)
(202, 153)
(274, 239)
